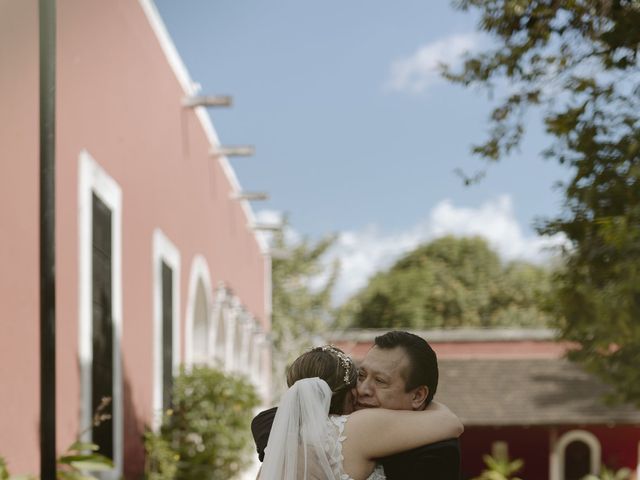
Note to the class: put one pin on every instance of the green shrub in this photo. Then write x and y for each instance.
(161, 461)
(500, 467)
(610, 474)
(207, 430)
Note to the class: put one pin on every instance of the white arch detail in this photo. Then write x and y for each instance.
(558, 455)
(226, 308)
(199, 272)
(240, 349)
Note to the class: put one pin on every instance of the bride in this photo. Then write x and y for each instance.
(316, 435)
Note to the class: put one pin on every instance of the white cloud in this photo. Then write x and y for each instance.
(494, 220)
(363, 253)
(276, 217)
(269, 216)
(414, 74)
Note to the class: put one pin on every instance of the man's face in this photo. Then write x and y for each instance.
(382, 379)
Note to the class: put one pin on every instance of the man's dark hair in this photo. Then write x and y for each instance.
(423, 364)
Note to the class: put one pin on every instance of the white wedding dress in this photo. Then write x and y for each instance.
(305, 442)
(334, 448)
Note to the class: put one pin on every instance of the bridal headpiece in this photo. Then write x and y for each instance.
(328, 363)
(344, 360)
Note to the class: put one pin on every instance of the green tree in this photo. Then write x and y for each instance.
(302, 286)
(577, 60)
(451, 282)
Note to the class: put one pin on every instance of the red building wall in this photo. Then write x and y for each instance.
(530, 444)
(533, 444)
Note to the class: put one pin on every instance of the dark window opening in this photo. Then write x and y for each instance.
(167, 336)
(102, 338)
(577, 460)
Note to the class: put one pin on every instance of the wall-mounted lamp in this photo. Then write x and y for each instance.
(250, 196)
(207, 101)
(232, 151)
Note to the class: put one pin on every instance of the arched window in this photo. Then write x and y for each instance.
(200, 326)
(250, 352)
(198, 317)
(238, 340)
(221, 336)
(219, 326)
(225, 343)
(576, 453)
(577, 460)
(247, 332)
(256, 355)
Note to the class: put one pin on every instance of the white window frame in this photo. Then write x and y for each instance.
(559, 449)
(199, 271)
(164, 251)
(93, 179)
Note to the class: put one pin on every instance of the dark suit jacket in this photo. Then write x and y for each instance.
(438, 461)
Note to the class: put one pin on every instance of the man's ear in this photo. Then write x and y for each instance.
(419, 399)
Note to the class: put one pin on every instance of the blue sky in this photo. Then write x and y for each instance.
(354, 131)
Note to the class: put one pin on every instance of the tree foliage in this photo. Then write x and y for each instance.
(578, 60)
(302, 286)
(451, 282)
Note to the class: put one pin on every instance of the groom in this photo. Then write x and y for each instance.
(399, 372)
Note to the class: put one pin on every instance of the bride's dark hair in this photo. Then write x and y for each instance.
(331, 365)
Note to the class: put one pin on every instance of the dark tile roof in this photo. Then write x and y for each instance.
(501, 392)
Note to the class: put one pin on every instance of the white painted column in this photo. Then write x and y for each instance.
(553, 455)
(638, 464)
(231, 318)
(216, 319)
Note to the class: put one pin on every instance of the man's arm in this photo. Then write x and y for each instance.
(437, 461)
(260, 428)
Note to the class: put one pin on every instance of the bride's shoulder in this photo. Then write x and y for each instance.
(353, 418)
(363, 419)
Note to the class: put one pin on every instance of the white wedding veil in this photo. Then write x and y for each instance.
(296, 448)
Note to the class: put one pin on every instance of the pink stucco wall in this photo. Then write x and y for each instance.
(19, 274)
(118, 99)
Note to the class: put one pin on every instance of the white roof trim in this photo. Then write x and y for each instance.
(190, 88)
